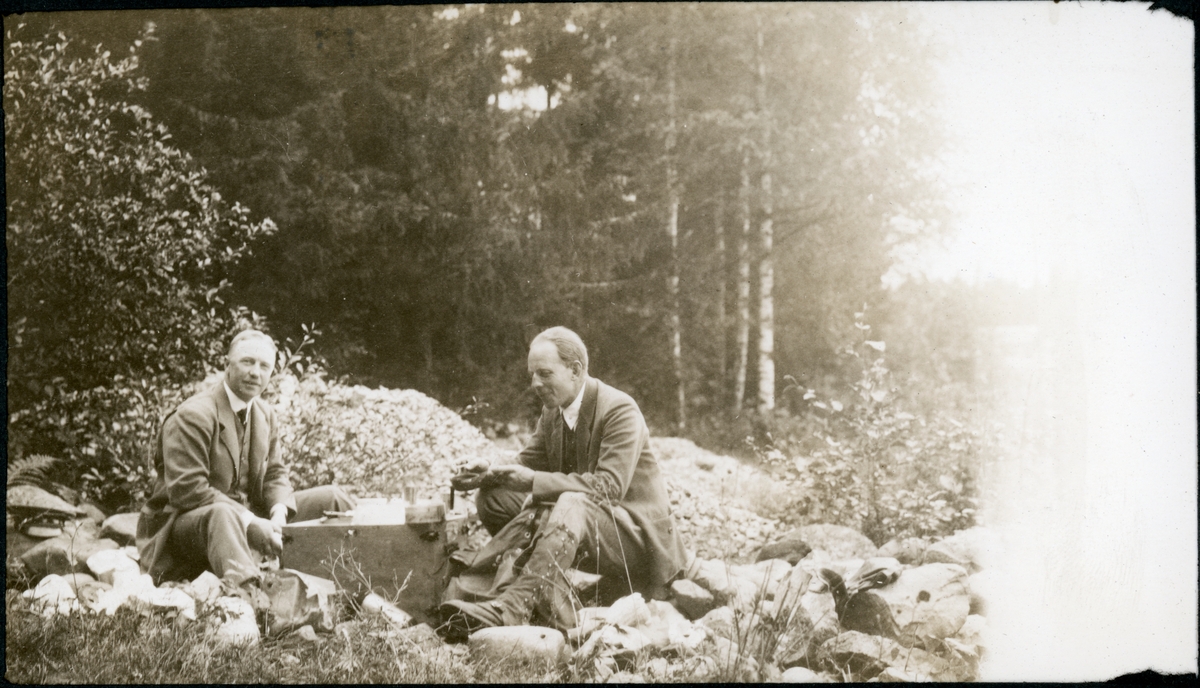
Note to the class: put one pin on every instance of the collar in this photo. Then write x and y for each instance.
(234, 400)
(571, 413)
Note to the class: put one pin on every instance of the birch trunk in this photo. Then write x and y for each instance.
(766, 268)
(722, 316)
(743, 289)
(673, 231)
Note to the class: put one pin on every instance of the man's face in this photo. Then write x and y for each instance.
(250, 365)
(555, 383)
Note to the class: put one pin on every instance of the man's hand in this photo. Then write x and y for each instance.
(513, 476)
(470, 475)
(265, 536)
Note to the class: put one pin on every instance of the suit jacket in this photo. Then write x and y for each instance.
(196, 460)
(616, 467)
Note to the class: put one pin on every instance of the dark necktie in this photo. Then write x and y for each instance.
(242, 415)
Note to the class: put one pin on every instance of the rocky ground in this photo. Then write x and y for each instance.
(729, 618)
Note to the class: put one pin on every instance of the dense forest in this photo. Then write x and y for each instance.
(715, 196)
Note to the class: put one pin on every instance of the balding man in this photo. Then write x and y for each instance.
(222, 494)
(586, 492)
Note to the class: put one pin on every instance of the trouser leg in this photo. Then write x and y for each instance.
(497, 506)
(581, 530)
(314, 502)
(214, 535)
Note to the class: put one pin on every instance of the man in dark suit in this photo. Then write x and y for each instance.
(586, 491)
(222, 493)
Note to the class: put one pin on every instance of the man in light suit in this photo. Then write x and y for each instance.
(222, 493)
(586, 492)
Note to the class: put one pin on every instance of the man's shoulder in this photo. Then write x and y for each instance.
(202, 403)
(610, 397)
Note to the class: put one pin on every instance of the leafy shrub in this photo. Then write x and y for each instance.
(875, 466)
(118, 247)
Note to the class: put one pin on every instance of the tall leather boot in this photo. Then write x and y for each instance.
(543, 587)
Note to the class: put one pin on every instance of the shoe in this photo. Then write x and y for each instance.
(460, 618)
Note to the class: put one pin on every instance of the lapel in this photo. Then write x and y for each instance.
(226, 419)
(583, 426)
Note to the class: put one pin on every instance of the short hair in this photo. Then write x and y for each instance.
(250, 334)
(570, 346)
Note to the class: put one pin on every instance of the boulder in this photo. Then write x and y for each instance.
(120, 527)
(235, 624)
(840, 542)
(663, 615)
(929, 601)
(983, 586)
(790, 550)
(800, 675)
(543, 647)
(164, 599)
(205, 588)
(720, 622)
(866, 656)
(78, 580)
(375, 605)
(53, 595)
(973, 549)
(66, 553)
(788, 591)
(93, 513)
(110, 564)
(630, 610)
(766, 574)
(710, 574)
(907, 551)
(691, 599)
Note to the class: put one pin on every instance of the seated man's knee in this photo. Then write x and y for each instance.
(498, 506)
(221, 517)
(574, 502)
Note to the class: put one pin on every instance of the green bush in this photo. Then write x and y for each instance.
(873, 465)
(118, 247)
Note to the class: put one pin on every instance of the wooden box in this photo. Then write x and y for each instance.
(412, 555)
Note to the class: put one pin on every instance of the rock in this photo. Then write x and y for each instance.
(840, 542)
(120, 527)
(78, 580)
(866, 656)
(691, 599)
(126, 586)
(17, 543)
(90, 593)
(982, 587)
(27, 500)
(788, 591)
(205, 588)
(790, 550)
(972, 631)
(710, 574)
(587, 621)
(907, 551)
(930, 600)
(742, 594)
(376, 605)
(800, 675)
(720, 622)
(537, 645)
(706, 462)
(630, 610)
(421, 636)
(111, 564)
(237, 627)
(973, 549)
(66, 553)
(657, 668)
(663, 615)
(92, 512)
(165, 599)
(53, 595)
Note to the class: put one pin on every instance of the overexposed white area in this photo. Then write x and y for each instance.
(1073, 169)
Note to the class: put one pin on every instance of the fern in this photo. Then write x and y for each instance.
(31, 470)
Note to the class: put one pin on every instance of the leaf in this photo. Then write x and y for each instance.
(879, 395)
(878, 346)
(837, 405)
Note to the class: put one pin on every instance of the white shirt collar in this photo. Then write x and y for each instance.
(571, 413)
(234, 400)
